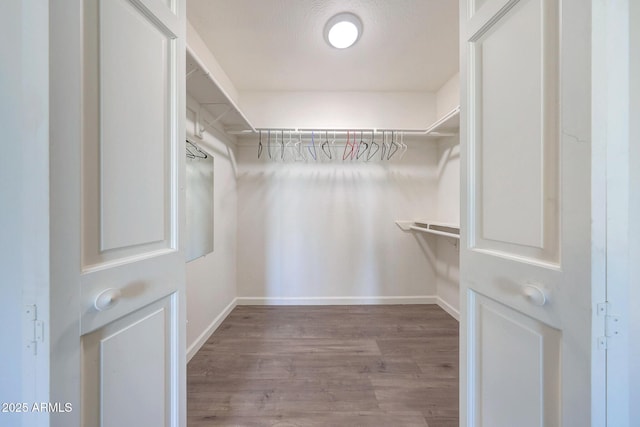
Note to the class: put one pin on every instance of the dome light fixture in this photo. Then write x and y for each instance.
(343, 30)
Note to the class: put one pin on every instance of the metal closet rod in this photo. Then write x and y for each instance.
(342, 131)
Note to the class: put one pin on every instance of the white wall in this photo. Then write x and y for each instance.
(448, 200)
(325, 232)
(447, 98)
(449, 180)
(211, 280)
(24, 197)
(339, 110)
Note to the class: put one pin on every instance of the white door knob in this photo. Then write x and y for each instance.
(534, 294)
(107, 299)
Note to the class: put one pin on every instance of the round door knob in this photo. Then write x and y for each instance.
(534, 294)
(107, 299)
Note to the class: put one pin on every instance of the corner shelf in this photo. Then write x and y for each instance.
(431, 227)
(448, 125)
(204, 89)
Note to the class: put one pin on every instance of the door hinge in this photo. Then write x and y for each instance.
(611, 325)
(34, 328)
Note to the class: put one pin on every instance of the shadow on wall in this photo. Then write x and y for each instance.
(327, 230)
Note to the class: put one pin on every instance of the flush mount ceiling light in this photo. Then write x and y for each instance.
(343, 30)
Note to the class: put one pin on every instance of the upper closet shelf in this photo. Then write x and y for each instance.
(202, 86)
(430, 227)
(448, 125)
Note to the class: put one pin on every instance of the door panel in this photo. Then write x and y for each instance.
(525, 245)
(109, 364)
(515, 138)
(133, 183)
(507, 391)
(130, 140)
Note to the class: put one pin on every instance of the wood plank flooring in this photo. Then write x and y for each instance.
(285, 366)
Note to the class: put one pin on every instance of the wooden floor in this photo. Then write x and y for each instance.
(349, 366)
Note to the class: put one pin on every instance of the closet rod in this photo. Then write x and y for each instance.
(343, 131)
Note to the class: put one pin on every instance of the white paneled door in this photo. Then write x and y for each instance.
(118, 319)
(526, 335)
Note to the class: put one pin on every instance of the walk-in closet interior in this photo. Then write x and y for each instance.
(377, 213)
(322, 176)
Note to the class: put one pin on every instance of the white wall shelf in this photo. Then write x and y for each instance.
(448, 125)
(431, 227)
(203, 88)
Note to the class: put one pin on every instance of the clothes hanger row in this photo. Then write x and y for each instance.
(194, 152)
(289, 145)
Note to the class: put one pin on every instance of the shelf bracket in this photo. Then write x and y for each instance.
(201, 124)
(189, 73)
(217, 119)
(199, 128)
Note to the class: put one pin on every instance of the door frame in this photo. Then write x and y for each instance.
(24, 219)
(615, 194)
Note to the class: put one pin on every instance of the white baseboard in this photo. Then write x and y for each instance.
(204, 336)
(448, 308)
(423, 299)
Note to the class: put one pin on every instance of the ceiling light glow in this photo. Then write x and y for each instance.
(343, 30)
(343, 34)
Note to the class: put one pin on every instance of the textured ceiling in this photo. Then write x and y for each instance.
(406, 45)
